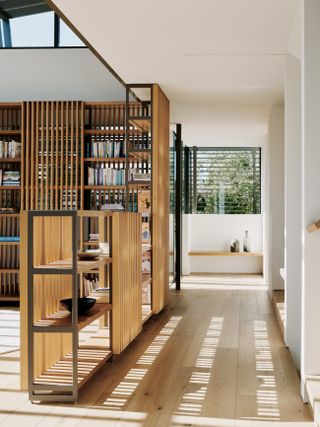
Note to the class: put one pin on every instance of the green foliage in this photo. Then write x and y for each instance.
(229, 183)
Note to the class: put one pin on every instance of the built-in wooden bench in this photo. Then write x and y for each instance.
(221, 253)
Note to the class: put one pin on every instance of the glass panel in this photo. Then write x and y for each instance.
(33, 30)
(68, 37)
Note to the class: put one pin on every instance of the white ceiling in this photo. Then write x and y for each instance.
(204, 52)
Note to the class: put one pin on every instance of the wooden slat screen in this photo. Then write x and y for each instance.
(54, 149)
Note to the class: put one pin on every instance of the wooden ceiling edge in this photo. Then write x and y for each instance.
(61, 15)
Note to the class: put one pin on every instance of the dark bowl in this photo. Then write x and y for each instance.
(84, 304)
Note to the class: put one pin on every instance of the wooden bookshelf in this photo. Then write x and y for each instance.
(11, 129)
(64, 318)
(56, 138)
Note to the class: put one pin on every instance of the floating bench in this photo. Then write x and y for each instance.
(219, 253)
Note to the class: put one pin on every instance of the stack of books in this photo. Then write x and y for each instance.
(10, 149)
(105, 149)
(106, 176)
(9, 178)
(135, 175)
(114, 207)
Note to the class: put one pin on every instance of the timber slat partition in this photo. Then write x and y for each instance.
(53, 166)
(56, 139)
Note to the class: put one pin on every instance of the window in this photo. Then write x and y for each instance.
(223, 180)
(37, 30)
(33, 30)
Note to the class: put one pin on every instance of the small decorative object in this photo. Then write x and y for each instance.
(104, 247)
(144, 201)
(235, 246)
(246, 242)
(146, 262)
(145, 232)
(84, 304)
(89, 255)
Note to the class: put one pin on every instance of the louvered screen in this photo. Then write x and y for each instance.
(228, 180)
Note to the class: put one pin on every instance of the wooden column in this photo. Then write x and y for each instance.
(160, 200)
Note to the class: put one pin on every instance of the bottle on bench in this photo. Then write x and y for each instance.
(246, 242)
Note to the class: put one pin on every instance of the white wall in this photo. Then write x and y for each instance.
(56, 74)
(275, 219)
(215, 233)
(293, 222)
(310, 351)
(224, 126)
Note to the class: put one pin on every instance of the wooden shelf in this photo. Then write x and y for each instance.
(104, 187)
(89, 362)
(104, 132)
(105, 159)
(10, 187)
(218, 253)
(10, 132)
(64, 318)
(9, 270)
(140, 155)
(9, 298)
(13, 215)
(314, 226)
(139, 183)
(82, 266)
(9, 160)
(142, 124)
(9, 243)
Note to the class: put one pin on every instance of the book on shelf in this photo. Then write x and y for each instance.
(145, 230)
(9, 238)
(9, 178)
(10, 149)
(135, 175)
(91, 286)
(144, 201)
(106, 176)
(113, 207)
(8, 210)
(105, 149)
(146, 262)
(94, 237)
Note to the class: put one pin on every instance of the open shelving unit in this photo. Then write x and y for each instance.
(116, 317)
(10, 200)
(57, 364)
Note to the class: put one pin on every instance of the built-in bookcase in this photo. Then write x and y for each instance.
(81, 155)
(10, 199)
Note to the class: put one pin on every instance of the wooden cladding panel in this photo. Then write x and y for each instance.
(160, 200)
(52, 171)
(126, 279)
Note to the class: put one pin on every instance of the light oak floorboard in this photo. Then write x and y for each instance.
(213, 358)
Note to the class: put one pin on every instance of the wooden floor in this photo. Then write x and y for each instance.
(214, 358)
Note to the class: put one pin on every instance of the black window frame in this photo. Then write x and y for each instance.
(191, 192)
(5, 35)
